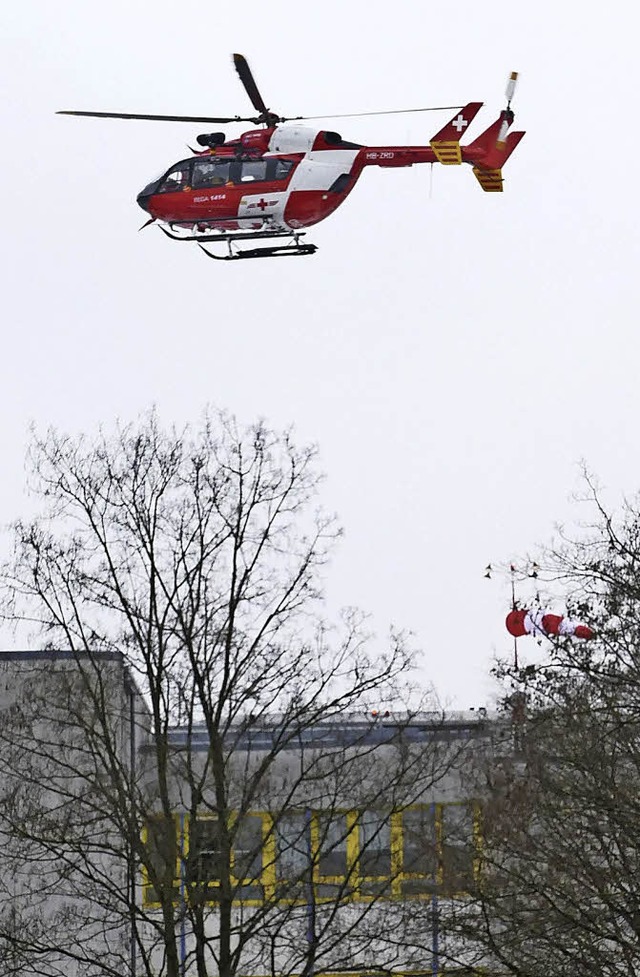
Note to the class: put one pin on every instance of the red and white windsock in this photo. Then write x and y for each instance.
(538, 622)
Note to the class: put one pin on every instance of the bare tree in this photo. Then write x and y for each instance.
(177, 779)
(561, 854)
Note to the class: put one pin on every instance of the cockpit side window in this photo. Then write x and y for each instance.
(282, 169)
(176, 179)
(210, 173)
(253, 170)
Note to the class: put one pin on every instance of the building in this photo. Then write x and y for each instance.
(264, 847)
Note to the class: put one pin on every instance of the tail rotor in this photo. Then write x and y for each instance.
(507, 115)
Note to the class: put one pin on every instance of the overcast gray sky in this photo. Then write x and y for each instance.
(454, 353)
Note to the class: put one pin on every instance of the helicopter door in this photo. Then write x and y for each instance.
(212, 191)
(263, 184)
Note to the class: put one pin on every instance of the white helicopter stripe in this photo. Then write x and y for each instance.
(320, 170)
(316, 172)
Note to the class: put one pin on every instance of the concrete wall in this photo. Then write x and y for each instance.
(76, 747)
(63, 861)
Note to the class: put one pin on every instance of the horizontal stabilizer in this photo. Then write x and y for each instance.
(489, 180)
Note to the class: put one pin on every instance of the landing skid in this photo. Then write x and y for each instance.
(233, 241)
(275, 251)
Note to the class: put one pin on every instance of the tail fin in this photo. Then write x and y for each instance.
(488, 155)
(489, 149)
(446, 143)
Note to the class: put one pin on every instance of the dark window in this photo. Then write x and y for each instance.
(340, 183)
(419, 841)
(282, 169)
(205, 857)
(375, 844)
(332, 845)
(247, 849)
(161, 856)
(177, 179)
(293, 847)
(458, 848)
(210, 173)
(419, 850)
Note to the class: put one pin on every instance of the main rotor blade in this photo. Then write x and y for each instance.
(244, 72)
(354, 115)
(244, 118)
(162, 118)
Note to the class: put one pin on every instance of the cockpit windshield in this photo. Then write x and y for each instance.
(177, 179)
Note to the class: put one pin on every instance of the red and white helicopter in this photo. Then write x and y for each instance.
(272, 182)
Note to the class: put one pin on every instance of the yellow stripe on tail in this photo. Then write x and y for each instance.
(489, 180)
(447, 151)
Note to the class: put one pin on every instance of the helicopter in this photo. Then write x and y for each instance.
(273, 181)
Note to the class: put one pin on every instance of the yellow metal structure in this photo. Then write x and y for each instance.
(447, 152)
(489, 180)
(398, 881)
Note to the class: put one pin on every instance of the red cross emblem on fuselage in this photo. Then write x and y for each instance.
(262, 203)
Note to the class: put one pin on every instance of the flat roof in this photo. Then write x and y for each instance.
(278, 732)
(339, 733)
(63, 654)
